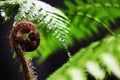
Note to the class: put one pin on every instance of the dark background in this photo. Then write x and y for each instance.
(9, 67)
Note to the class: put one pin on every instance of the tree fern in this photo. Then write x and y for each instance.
(48, 20)
(87, 18)
(97, 59)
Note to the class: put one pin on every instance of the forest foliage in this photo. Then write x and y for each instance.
(85, 20)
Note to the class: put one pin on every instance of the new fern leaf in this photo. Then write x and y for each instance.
(90, 59)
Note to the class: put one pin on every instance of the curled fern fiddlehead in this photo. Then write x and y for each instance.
(25, 37)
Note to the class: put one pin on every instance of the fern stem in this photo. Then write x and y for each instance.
(25, 64)
(98, 21)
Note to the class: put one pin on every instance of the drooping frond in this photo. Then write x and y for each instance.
(90, 17)
(44, 16)
(97, 59)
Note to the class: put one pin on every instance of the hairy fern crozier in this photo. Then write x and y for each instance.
(25, 37)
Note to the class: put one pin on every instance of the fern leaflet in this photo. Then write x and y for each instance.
(92, 16)
(105, 53)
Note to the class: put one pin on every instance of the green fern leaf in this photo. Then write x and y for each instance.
(105, 53)
(45, 17)
(8, 9)
(90, 17)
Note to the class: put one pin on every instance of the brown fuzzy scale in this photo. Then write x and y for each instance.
(25, 37)
(18, 32)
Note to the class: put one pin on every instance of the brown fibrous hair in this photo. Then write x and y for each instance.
(22, 29)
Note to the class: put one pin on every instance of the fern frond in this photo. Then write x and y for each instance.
(97, 59)
(45, 17)
(8, 9)
(92, 16)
